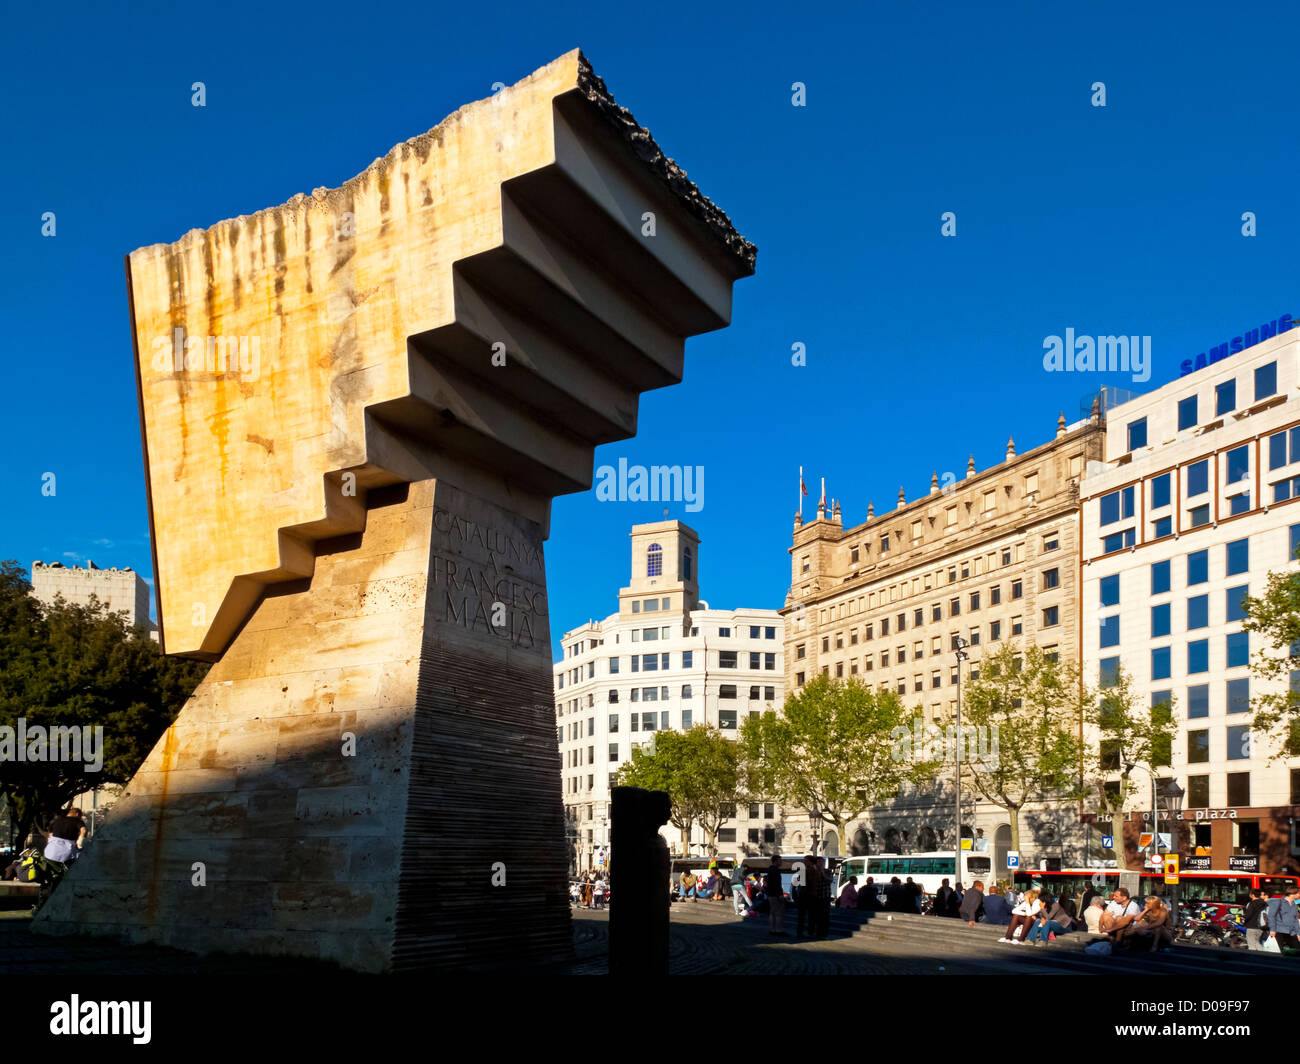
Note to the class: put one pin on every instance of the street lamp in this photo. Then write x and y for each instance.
(815, 828)
(1170, 796)
(959, 648)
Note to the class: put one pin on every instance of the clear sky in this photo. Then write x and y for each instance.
(921, 349)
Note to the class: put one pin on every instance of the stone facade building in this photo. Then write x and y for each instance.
(123, 590)
(665, 660)
(987, 558)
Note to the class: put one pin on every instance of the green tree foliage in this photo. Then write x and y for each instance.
(1275, 615)
(700, 770)
(834, 749)
(1031, 708)
(1131, 735)
(67, 665)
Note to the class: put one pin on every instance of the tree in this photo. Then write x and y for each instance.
(1276, 616)
(700, 770)
(836, 749)
(1026, 712)
(76, 666)
(1130, 736)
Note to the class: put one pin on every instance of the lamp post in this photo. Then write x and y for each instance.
(815, 828)
(1170, 795)
(959, 648)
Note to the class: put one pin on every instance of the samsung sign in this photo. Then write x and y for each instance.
(1237, 343)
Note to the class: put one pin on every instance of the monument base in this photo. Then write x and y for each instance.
(368, 775)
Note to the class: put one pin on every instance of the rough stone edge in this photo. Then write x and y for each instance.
(594, 90)
(643, 145)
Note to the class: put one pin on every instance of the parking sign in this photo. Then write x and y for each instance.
(1013, 859)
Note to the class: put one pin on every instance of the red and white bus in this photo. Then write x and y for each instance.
(1232, 888)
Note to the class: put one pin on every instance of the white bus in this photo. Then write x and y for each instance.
(927, 869)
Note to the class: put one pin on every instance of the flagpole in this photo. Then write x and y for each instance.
(799, 492)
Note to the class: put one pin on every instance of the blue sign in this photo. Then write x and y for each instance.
(1013, 860)
(1238, 343)
(1108, 842)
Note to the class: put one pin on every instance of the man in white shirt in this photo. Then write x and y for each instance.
(1121, 912)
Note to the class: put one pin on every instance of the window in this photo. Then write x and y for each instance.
(884, 543)
(649, 635)
(727, 690)
(1051, 542)
(1198, 701)
(1159, 578)
(1198, 516)
(1017, 589)
(769, 693)
(686, 691)
(755, 631)
(1198, 656)
(1238, 695)
(1051, 616)
(1198, 747)
(1160, 491)
(1198, 611)
(1161, 527)
(1118, 541)
(688, 659)
(995, 631)
(1238, 556)
(918, 618)
(1198, 792)
(1160, 663)
(1137, 434)
(769, 662)
(727, 719)
(654, 560)
(1239, 504)
(884, 626)
(769, 632)
(753, 692)
(1159, 620)
(1109, 586)
(1238, 649)
(1198, 478)
(1051, 579)
(936, 612)
(754, 657)
(727, 659)
(1225, 398)
(613, 697)
(1294, 541)
(1186, 413)
(1198, 567)
(902, 622)
(1235, 595)
(1017, 626)
(613, 751)
(1239, 789)
(995, 595)
(1265, 385)
(954, 607)
(1109, 672)
(853, 555)
(651, 606)
(649, 722)
(1117, 506)
(974, 600)
(1110, 631)
(1239, 747)
(724, 633)
(804, 563)
(1238, 465)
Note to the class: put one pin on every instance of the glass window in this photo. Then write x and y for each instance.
(1017, 589)
(1137, 434)
(1117, 506)
(1160, 663)
(1198, 516)
(1198, 656)
(1160, 491)
(1198, 611)
(1198, 747)
(1159, 620)
(1225, 398)
(688, 658)
(1118, 541)
(1051, 616)
(1109, 672)
(1239, 789)
(1110, 631)
(1161, 527)
(1277, 450)
(1238, 649)
(1198, 792)
(1239, 746)
(1235, 595)
(1239, 504)
(1265, 381)
(1160, 577)
(654, 560)
(1239, 695)
(1198, 700)
(1198, 478)
(1198, 567)
(727, 719)
(1110, 590)
(1186, 413)
(1238, 556)
(1238, 464)
(1294, 541)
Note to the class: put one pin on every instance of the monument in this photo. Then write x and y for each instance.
(356, 409)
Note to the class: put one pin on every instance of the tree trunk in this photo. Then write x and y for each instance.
(1014, 810)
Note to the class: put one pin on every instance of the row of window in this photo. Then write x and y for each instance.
(1236, 562)
(1236, 649)
(1225, 401)
(1198, 616)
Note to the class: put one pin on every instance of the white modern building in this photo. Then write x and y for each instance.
(665, 660)
(1198, 501)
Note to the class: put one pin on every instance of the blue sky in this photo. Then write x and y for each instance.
(921, 349)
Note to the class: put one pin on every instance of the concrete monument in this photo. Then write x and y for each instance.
(356, 409)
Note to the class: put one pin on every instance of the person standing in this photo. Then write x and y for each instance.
(598, 891)
(804, 890)
(739, 900)
(912, 896)
(972, 904)
(954, 901)
(1255, 920)
(775, 892)
(1283, 921)
(822, 900)
(941, 899)
(67, 835)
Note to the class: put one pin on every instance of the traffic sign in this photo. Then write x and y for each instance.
(1171, 869)
(1108, 842)
(1013, 859)
(1156, 861)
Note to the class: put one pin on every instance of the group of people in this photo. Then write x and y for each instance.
(590, 892)
(1273, 923)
